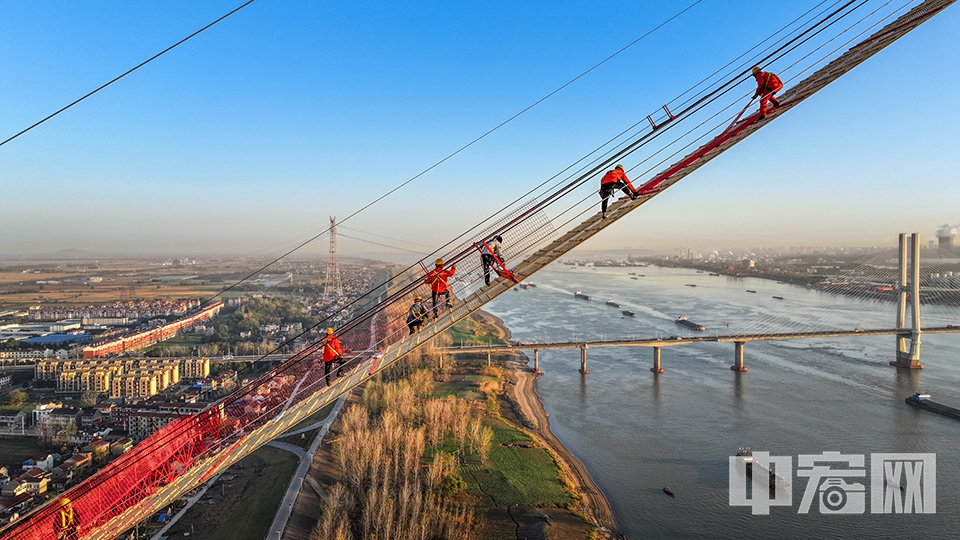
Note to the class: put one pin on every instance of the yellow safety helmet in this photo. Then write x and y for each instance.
(329, 330)
(439, 262)
(418, 297)
(619, 167)
(756, 69)
(64, 501)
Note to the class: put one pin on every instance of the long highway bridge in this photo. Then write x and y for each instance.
(656, 344)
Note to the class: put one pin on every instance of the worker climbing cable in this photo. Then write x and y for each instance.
(610, 183)
(416, 315)
(66, 524)
(490, 255)
(768, 84)
(332, 352)
(437, 280)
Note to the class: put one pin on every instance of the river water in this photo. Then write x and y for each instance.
(637, 432)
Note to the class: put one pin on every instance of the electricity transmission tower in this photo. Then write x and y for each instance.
(333, 287)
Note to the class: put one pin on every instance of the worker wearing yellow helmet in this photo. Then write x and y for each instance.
(66, 523)
(437, 280)
(768, 84)
(332, 352)
(416, 315)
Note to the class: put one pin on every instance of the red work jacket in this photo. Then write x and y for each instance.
(332, 348)
(437, 279)
(615, 175)
(767, 82)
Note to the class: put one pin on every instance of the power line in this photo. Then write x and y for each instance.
(129, 71)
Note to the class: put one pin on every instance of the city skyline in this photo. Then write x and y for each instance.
(244, 140)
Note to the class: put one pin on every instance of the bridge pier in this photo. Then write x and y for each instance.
(583, 359)
(536, 362)
(908, 291)
(738, 356)
(656, 361)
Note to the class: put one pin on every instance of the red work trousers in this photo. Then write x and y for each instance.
(768, 96)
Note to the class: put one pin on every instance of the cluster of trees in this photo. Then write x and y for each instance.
(385, 441)
(256, 312)
(16, 398)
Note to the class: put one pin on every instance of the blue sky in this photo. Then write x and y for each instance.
(245, 139)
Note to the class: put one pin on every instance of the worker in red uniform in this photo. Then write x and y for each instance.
(768, 84)
(437, 280)
(610, 183)
(66, 524)
(332, 352)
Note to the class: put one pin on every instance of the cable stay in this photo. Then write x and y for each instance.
(189, 451)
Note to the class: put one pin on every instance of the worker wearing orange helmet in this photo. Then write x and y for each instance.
(332, 352)
(66, 524)
(416, 315)
(437, 280)
(610, 183)
(768, 84)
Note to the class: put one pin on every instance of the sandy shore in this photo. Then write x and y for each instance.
(592, 504)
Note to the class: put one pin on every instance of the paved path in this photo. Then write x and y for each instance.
(296, 484)
(190, 502)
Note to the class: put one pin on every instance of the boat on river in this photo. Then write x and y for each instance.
(683, 321)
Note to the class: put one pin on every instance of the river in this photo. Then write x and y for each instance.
(636, 432)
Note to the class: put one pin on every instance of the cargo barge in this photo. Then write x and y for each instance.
(922, 400)
(683, 321)
(629, 313)
(612, 303)
(581, 296)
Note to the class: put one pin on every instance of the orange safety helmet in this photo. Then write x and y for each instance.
(756, 69)
(619, 167)
(64, 501)
(418, 297)
(439, 262)
(329, 330)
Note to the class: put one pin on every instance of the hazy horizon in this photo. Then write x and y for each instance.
(244, 140)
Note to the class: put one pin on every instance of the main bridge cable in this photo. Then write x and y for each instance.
(745, 53)
(362, 317)
(698, 104)
(306, 351)
(454, 153)
(313, 347)
(129, 71)
(705, 135)
(548, 201)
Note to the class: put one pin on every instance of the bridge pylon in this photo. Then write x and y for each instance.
(908, 292)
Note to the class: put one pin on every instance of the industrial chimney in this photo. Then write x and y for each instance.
(945, 235)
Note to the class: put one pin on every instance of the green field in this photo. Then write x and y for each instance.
(516, 474)
(19, 449)
(252, 516)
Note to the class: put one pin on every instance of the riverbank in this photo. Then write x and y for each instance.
(592, 505)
